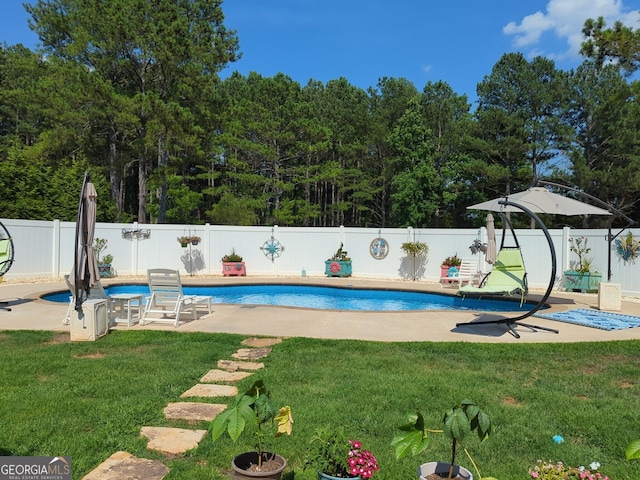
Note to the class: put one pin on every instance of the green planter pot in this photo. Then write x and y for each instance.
(337, 268)
(581, 282)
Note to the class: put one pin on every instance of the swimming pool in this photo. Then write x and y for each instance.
(327, 298)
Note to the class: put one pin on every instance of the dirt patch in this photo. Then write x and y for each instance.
(61, 337)
(512, 401)
(622, 384)
(91, 355)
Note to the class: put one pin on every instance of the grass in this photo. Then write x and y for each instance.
(89, 400)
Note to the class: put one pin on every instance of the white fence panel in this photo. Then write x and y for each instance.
(45, 249)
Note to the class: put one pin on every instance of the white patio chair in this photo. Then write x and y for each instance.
(467, 274)
(167, 298)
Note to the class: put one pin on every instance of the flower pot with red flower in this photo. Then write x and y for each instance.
(449, 266)
(339, 265)
(254, 407)
(457, 422)
(335, 456)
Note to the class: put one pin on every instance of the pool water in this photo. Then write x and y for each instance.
(327, 298)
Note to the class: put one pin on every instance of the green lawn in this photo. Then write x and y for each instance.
(89, 400)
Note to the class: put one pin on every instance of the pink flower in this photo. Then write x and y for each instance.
(361, 463)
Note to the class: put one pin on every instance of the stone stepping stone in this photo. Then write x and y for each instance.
(209, 390)
(260, 342)
(193, 412)
(251, 353)
(123, 465)
(231, 366)
(217, 375)
(171, 440)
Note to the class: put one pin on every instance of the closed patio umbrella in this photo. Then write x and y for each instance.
(85, 266)
(490, 254)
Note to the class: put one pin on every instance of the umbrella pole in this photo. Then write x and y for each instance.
(512, 322)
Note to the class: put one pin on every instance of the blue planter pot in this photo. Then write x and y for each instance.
(581, 282)
(337, 268)
(105, 271)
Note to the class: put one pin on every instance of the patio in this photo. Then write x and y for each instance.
(29, 312)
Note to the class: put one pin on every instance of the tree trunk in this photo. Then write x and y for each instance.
(163, 161)
(113, 175)
(142, 190)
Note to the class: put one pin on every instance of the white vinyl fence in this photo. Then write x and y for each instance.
(45, 249)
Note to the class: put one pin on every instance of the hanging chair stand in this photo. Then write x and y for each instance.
(6, 259)
(511, 323)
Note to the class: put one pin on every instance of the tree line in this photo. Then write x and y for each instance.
(138, 102)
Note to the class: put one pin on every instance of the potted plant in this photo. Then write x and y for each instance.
(334, 456)
(254, 407)
(581, 277)
(458, 421)
(339, 264)
(233, 266)
(104, 263)
(417, 251)
(194, 240)
(183, 241)
(449, 266)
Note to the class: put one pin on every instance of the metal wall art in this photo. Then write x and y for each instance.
(272, 248)
(379, 248)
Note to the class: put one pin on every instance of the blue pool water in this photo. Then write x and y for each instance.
(327, 298)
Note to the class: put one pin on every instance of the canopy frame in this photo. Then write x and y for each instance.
(511, 323)
(615, 211)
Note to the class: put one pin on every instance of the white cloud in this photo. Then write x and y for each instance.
(565, 19)
(426, 68)
(529, 31)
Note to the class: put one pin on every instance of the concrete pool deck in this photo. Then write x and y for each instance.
(30, 312)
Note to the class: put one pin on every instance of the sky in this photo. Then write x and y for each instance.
(455, 41)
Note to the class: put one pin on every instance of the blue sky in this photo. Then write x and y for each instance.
(457, 41)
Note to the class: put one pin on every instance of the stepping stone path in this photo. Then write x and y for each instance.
(176, 441)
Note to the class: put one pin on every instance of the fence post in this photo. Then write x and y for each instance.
(55, 254)
(134, 250)
(565, 263)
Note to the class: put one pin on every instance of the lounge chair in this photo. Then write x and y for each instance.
(97, 293)
(508, 277)
(167, 298)
(467, 274)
